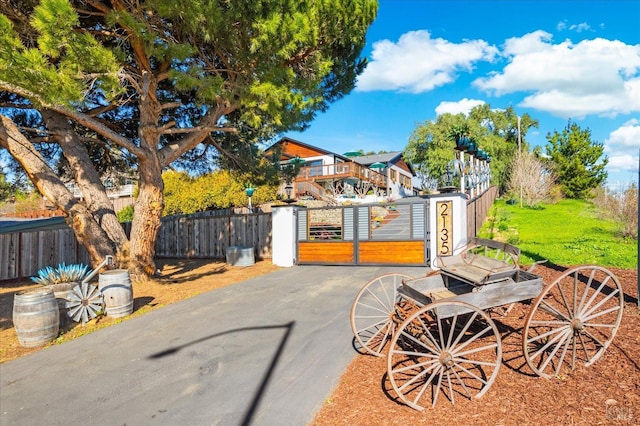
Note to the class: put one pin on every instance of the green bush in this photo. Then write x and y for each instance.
(218, 190)
(126, 214)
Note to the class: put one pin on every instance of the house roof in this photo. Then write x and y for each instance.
(306, 145)
(365, 160)
(389, 157)
(11, 225)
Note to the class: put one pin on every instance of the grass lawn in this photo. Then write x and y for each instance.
(567, 233)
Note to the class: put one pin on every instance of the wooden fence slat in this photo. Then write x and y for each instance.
(202, 236)
(477, 210)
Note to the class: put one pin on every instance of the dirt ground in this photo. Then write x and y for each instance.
(607, 393)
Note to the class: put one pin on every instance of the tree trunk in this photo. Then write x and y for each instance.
(86, 177)
(150, 202)
(79, 218)
(146, 222)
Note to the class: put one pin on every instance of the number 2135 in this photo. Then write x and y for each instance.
(445, 225)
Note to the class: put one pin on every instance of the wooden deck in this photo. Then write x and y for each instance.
(339, 171)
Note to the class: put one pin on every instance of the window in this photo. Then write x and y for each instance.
(315, 168)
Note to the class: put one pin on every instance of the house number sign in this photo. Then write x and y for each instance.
(445, 227)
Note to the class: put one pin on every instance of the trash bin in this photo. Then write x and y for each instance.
(240, 256)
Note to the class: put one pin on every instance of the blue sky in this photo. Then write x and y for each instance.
(555, 60)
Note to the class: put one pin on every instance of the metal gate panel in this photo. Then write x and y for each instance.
(374, 234)
(363, 223)
(329, 252)
(391, 253)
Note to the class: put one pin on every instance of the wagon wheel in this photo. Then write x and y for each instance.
(373, 311)
(572, 321)
(455, 356)
(84, 301)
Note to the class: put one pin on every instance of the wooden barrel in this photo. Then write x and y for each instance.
(62, 291)
(36, 317)
(117, 293)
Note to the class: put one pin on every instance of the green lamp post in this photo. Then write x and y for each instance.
(249, 191)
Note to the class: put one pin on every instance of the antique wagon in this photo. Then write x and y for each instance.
(439, 337)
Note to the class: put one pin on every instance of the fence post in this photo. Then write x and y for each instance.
(283, 243)
(456, 234)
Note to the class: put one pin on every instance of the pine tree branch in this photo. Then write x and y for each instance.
(170, 105)
(81, 118)
(209, 129)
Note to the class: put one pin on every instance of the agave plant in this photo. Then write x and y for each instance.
(62, 274)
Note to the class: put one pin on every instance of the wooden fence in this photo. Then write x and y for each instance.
(209, 237)
(22, 254)
(477, 209)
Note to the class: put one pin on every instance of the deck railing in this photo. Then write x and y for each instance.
(342, 171)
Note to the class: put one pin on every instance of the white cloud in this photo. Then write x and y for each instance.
(583, 26)
(569, 80)
(580, 27)
(626, 136)
(417, 63)
(622, 163)
(462, 106)
(622, 147)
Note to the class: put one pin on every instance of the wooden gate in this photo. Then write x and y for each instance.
(373, 234)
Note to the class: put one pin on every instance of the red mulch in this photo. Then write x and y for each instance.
(606, 393)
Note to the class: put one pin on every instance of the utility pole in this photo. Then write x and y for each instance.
(520, 158)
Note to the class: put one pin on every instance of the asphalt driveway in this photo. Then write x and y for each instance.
(267, 351)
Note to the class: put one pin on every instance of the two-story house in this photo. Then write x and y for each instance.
(329, 176)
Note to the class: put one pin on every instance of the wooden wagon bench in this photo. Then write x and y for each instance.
(440, 340)
(482, 261)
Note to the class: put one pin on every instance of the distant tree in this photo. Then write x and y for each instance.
(578, 161)
(126, 214)
(501, 138)
(162, 82)
(530, 177)
(5, 188)
(431, 145)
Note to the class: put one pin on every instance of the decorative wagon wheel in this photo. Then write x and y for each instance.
(84, 301)
(572, 321)
(455, 356)
(373, 311)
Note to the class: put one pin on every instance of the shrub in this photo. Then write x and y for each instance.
(555, 194)
(621, 207)
(530, 179)
(126, 214)
(62, 274)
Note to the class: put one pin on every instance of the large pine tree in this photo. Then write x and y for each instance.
(577, 161)
(153, 81)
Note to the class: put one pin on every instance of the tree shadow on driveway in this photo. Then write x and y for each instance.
(255, 402)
